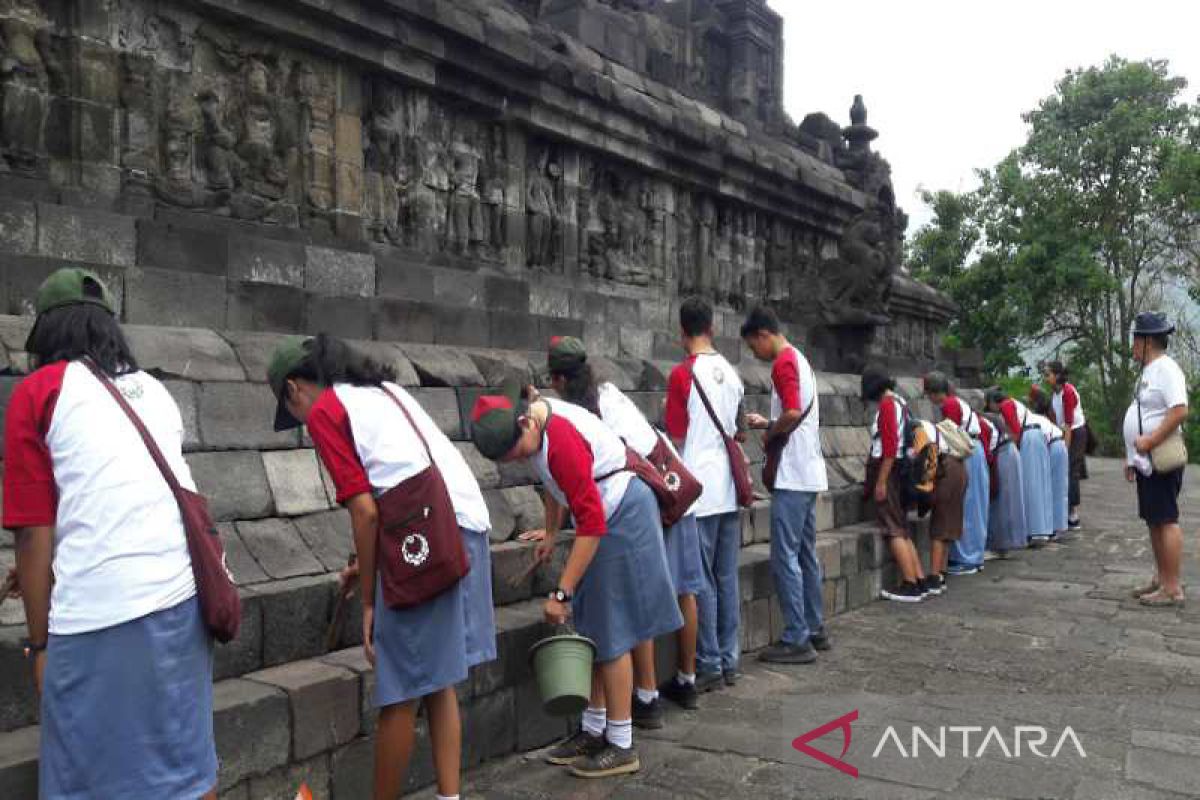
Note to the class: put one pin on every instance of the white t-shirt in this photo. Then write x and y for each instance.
(74, 460)
(1049, 428)
(1163, 386)
(686, 418)
(801, 465)
(607, 451)
(1068, 397)
(625, 419)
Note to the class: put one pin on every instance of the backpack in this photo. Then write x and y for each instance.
(919, 466)
(954, 440)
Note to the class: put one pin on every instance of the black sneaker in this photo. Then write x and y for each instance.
(681, 693)
(820, 641)
(581, 744)
(934, 585)
(707, 681)
(1074, 525)
(785, 653)
(606, 763)
(904, 593)
(647, 715)
(732, 676)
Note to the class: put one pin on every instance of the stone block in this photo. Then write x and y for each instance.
(527, 507)
(266, 307)
(862, 588)
(754, 572)
(515, 331)
(354, 659)
(197, 355)
(443, 366)
(546, 577)
(352, 769)
(402, 278)
(535, 728)
(18, 226)
(486, 473)
(549, 327)
(829, 553)
(510, 561)
(282, 783)
(328, 536)
(756, 624)
(19, 763)
(848, 506)
(402, 320)
(296, 614)
(500, 366)
(295, 482)
(442, 406)
(243, 654)
(635, 342)
(654, 375)
(665, 347)
(756, 378)
(389, 355)
(339, 272)
(18, 703)
(176, 299)
(489, 729)
(165, 246)
(345, 317)
(549, 301)
(825, 512)
(465, 327)
(607, 370)
(241, 416)
(458, 289)
(261, 260)
(186, 397)
(278, 548)
(246, 570)
(252, 727)
(235, 484)
(504, 521)
(254, 351)
(82, 234)
(324, 701)
(516, 473)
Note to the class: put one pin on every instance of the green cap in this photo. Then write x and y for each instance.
(566, 353)
(288, 356)
(494, 418)
(70, 286)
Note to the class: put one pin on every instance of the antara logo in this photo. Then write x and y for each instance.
(1032, 739)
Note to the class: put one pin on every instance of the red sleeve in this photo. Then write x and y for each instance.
(570, 461)
(785, 374)
(1070, 403)
(952, 410)
(30, 494)
(329, 427)
(889, 433)
(1008, 409)
(987, 435)
(679, 389)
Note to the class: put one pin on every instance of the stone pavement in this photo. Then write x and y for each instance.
(1048, 640)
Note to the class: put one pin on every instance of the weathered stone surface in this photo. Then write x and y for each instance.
(262, 260)
(254, 351)
(499, 366)
(166, 246)
(235, 484)
(328, 536)
(80, 234)
(399, 278)
(442, 406)
(344, 317)
(186, 396)
(18, 226)
(486, 473)
(244, 653)
(19, 763)
(391, 356)
(504, 521)
(240, 416)
(246, 570)
(196, 355)
(462, 327)
(324, 702)
(176, 299)
(295, 482)
(278, 548)
(488, 730)
(339, 272)
(252, 727)
(351, 770)
(443, 366)
(282, 783)
(296, 614)
(400, 320)
(514, 331)
(512, 580)
(266, 307)
(526, 506)
(549, 301)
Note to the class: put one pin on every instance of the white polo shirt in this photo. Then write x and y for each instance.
(1163, 386)
(794, 387)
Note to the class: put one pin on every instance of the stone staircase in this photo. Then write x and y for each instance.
(288, 711)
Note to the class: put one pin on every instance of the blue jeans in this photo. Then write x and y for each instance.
(719, 647)
(798, 576)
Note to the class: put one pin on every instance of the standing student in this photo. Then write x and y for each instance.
(1007, 528)
(883, 484)
(572, 377)
(1158, 411)
(616, 583)
(946, 518)
(966, 555)
(1068, 413)
(1057, 487)
(794, 432)
(692, 429)
(121, 657)
(373, 437)
(1035, 462)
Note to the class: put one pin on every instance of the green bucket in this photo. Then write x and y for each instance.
(563, 666)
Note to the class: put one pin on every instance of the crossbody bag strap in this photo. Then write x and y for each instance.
(1137, 398)
(411, 422)
(712, 414)
(159, 460)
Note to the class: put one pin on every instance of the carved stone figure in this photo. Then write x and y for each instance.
(778, 260)
(217, 143)
(541, 212)
(726, 288)
(685, 250)
(706, 279)
(493, 193)
(316, 136)
(383, 159)
(26, 60)
(260, 145)
(465, 224)
(139, 122)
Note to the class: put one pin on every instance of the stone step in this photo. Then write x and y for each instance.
(311, 719)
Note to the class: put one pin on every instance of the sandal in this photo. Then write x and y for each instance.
(1158, 599)
(1152, 586)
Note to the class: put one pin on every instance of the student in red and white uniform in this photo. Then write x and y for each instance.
(368, 446)
(794, 433)
(1035, 460)
(615, 584)
(692, 430)
(1007, 529)
(1068, 413)
(121, 656)
(883, 483)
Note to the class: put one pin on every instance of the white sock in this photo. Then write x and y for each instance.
(686, 677)
(620, 733)
(594, 720)
(647, 695)
(447, 797)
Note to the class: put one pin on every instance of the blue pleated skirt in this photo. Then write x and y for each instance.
(127, 711)
(1059, 484)
(1035, 476)
(1007, 526)
(968, 550)
(477, 599)
(682, 542)
(626, 595)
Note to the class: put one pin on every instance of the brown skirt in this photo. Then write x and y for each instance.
(946, 521)
(892, 519)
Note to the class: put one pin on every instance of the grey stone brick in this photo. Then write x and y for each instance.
(513, 331)
(351, 770)
(506, 294)
(535, 728)
(504, 521)
(18, 703)
(266, 307)
(654, 375)
(80, 234)
(19, 763)
(295, 482)
(296, 614)
(756, 624)
(243, 654)
(167, 246)
(442, 406)
(277, 547)
(526, 506)
(266, 260)
(354, 659)
(635, 342)
(485, 471)
(405, 279)
(458, 289)
(489, 727)
(516, 473)
(197, 355)
(392, 356)
(239, 792)
(18, 226)
(328, 536)
(252, 727)
(186, 396)
(402, 320)
(282, 783)
(241, 562)
(549, 301)
(24, 275)
(443, 366)
(829, 553)
(499, 366)
(549, 327)
(754, 572)
(324, 702)
(465, 327)
(607, 370)
(235, 484)
(510, 561)
(254, 351)
(241, 416)
(176, 299)
(339, 272)
(346, 317)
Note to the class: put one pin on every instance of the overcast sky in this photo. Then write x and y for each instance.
(945, 82)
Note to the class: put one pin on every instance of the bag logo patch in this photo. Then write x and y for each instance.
(673, 481)
(415, 549)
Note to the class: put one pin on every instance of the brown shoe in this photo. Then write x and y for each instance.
(580, 745)
(1152, 586)
(1160, 599)
(608, 763)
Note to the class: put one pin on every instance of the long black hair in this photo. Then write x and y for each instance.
(994, 396)
(1058, 370)
(331, 360)
(69, 333)
(580, 386)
